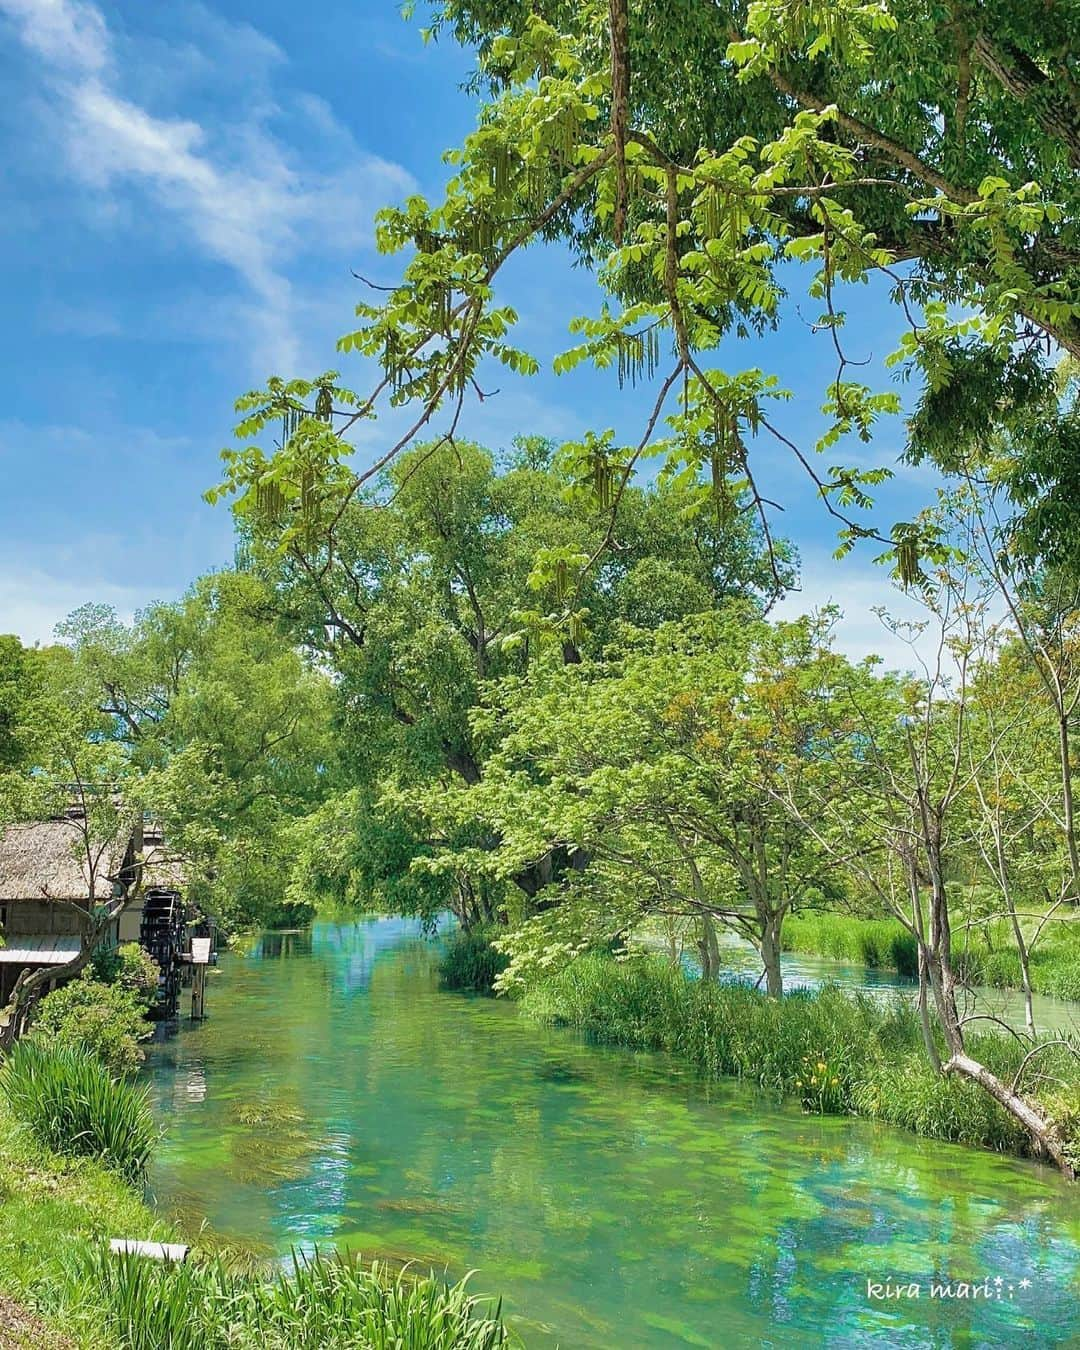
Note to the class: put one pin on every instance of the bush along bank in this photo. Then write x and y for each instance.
(470, 964)
(74, 1144)
(836, 1053)
(981, 957)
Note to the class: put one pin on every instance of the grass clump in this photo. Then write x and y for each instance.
(73, 1106)
(470, 963)
(881, 944)
(323, 1302)
(50, 1205)
(837, 1053)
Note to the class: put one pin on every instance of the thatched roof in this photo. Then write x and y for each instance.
(43, 859)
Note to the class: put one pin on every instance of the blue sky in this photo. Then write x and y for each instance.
(186, 187)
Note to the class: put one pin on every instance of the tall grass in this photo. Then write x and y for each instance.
(982, 955)
(882, 944)
(72, 1106)
(470, 963)
(837, 1053)
(321, 1304)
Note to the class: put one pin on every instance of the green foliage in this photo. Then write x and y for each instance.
(873, 1058)
(878, 943)
(105, 1020)
(323, 1302)
(129, 966)
(220, 729)
(52, 1205)
(691, 158)
(73, 1106)
(470, 963)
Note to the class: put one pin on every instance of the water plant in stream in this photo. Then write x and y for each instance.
(73, 1106)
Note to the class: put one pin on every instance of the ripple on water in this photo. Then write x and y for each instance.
(334, 1095)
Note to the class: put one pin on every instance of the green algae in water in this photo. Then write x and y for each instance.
(335, 1095)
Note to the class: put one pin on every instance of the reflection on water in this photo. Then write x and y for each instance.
(1053, 1016)
(334, 1095)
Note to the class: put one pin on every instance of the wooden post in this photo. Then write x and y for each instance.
(200, 959)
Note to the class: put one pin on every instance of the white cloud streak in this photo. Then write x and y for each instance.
(243, 198)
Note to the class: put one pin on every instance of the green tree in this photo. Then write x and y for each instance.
(692, 154)
(656, 769)
(226, 726)
(450, 574)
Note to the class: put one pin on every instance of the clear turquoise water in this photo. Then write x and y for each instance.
(336, 1096)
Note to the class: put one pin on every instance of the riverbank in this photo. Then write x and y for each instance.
(61, 1289)
(50, 1206)
(837, 1053)
(984, 955)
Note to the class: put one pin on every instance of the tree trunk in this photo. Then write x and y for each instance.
(924, 1012)
(770, 955)
(709, 948)
(1042, 1132)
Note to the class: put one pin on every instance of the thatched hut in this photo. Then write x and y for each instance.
(46, 896)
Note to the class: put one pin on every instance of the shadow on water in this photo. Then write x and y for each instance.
(336, 1096)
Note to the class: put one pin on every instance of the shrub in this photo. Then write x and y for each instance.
(470, 963)
(108, 1020)
(138, 973)
(129, 966)
(323, 1302)
(73, 1106)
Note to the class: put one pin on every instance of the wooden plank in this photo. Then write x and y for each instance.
(155, 1251)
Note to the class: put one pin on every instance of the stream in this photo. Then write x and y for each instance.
(1053, 1016)
(336, 1096)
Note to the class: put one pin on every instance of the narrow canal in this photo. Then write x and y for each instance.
(336, 1096)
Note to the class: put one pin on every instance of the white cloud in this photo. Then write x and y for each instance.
(239, 192)
(32, 602)
(859, 587)
(69, 34)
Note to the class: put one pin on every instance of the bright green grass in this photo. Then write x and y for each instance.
(323, 1303)
(885, 944)
(838, 1053)
(50, 1207)
(74, 1106)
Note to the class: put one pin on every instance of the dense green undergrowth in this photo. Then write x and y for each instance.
(837, 1053)
(71, 1103)
(470, 963)
(983, 955)
(323, 1303)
